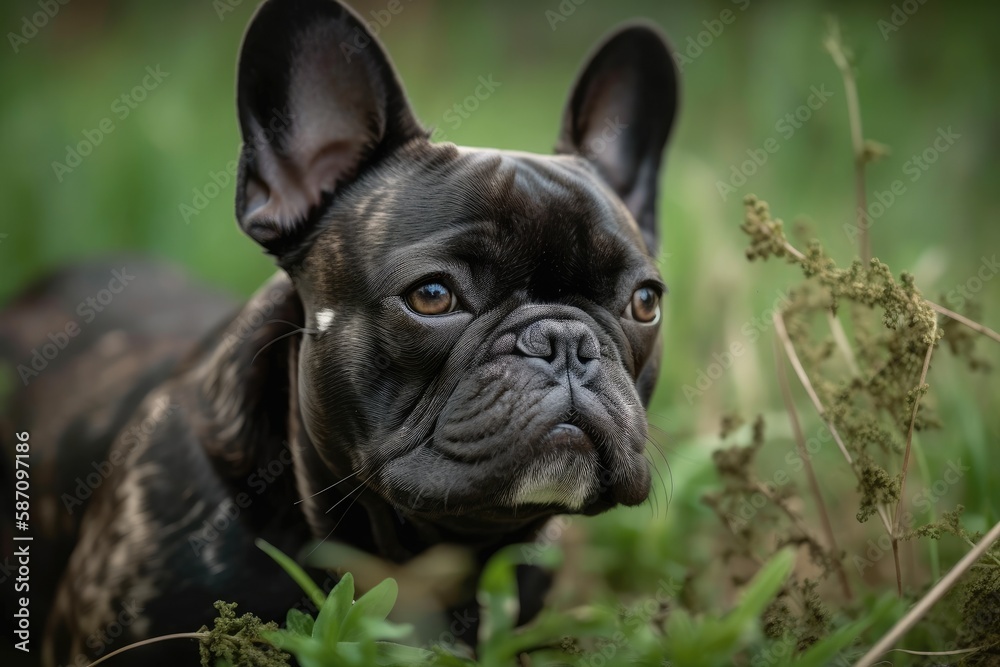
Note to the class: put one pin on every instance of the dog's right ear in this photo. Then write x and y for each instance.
(619, 115)
(318, 101)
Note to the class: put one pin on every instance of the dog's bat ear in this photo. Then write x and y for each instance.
(619, 116)
(318, 102)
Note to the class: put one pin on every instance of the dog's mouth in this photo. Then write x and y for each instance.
(566, 435)
(588, 472)
(573, 466)
(564, 474)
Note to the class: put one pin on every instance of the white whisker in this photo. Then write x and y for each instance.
(327, 488)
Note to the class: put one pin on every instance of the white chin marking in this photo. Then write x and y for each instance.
(567, 480)
(324, 318)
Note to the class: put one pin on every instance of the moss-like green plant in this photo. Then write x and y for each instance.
(239, 640)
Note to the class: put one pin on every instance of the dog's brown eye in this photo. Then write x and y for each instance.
(432, 299)
(645, 306)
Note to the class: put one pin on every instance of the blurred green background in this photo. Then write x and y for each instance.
(937, 71)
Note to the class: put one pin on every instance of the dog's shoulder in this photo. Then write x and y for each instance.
(198, 472)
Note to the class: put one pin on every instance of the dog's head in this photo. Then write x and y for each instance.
(482, 324)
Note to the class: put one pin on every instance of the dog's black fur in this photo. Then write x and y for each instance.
(475, 425)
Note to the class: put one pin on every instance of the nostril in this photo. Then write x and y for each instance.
(557, 341)
(535, 341)
(588, 348)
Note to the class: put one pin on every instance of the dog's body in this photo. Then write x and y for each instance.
(460, 344)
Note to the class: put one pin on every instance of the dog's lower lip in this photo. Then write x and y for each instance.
(570, 437)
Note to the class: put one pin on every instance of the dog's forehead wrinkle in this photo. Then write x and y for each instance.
(484, 183)
(530, 184)
(536, 207)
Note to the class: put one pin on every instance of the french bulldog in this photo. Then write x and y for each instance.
(458, 345)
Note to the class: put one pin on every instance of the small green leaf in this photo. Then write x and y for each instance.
(376, 629)
(549, 628)
(389, 654)
(823, 652)
(374, 605)
(680, 625)
(442, 658)
(354, 654)
(331, 615)
(711, 640)
(763, 588)
(306, 650)
(498, 597)
(299, 622)
(304, 581)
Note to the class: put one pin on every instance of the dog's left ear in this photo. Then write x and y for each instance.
(619, 116)
(319, 102)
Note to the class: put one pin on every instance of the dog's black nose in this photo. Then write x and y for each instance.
(562, 343)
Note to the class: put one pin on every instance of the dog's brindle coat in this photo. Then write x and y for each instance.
(521, 398)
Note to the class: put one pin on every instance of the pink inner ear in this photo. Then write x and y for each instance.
(331, 103)
(286, 187)
(333, 163)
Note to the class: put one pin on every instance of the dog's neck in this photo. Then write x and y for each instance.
(249, 421)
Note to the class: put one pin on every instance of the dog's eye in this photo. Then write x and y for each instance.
(645, 305)
(431, 299)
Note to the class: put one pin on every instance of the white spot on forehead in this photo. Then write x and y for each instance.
(324, 318)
